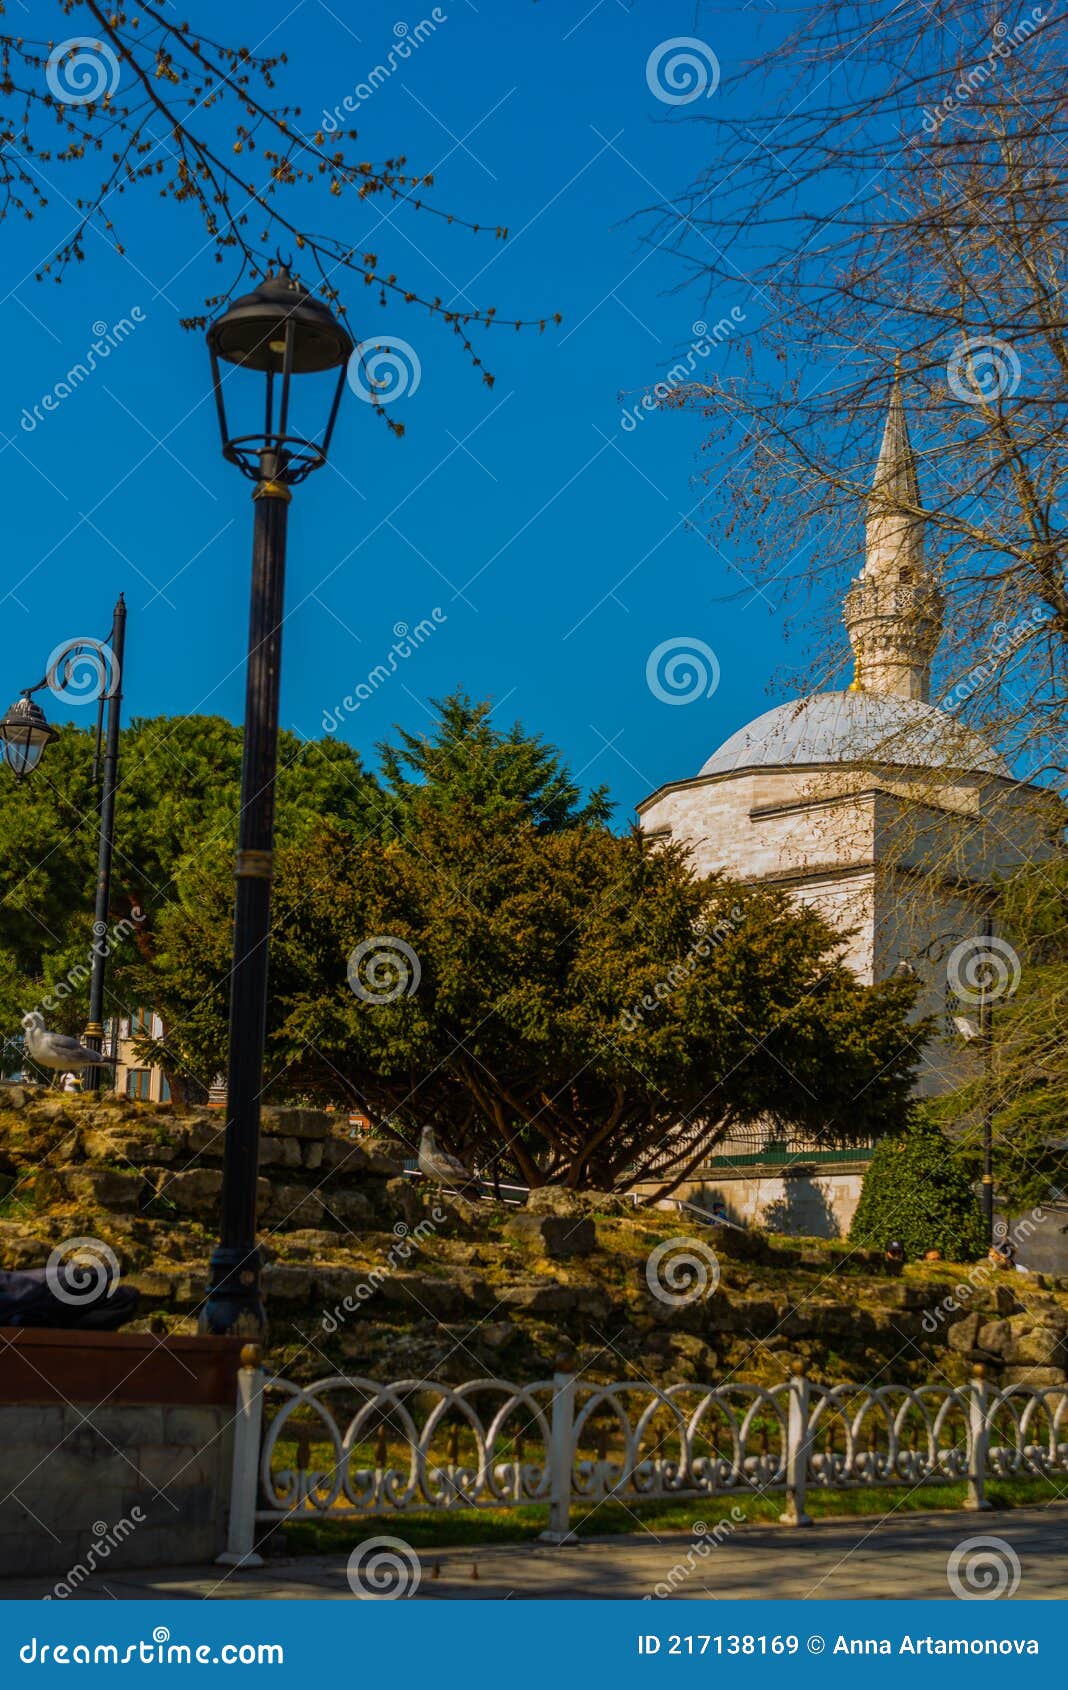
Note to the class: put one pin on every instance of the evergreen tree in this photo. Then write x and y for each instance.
(565, 1004)
(467, 760)
(917, 1190)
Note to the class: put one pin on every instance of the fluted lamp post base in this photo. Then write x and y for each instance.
(234, 1308)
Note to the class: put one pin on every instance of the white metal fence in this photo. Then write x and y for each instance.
(345, 1448)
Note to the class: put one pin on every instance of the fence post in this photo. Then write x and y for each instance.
(561, 1455)
(240, 1548)
(978, 1440)
(797, 1452)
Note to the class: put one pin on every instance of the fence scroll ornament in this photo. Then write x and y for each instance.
(348, 1447)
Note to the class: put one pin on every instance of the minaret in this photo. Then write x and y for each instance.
(894, 609)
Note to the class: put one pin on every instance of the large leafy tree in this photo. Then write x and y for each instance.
(564, 1003)
(176, 818)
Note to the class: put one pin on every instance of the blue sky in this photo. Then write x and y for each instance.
(555, 544)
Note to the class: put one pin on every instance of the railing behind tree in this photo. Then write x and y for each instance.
(748, 1147)
(348, 1447)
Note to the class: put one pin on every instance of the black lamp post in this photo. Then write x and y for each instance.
(278, 331)
(986, 1034)
(26, 734)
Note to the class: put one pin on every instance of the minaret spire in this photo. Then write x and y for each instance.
(894, 609)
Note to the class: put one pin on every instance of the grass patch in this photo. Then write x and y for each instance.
(15, 1205)
(490, 1526)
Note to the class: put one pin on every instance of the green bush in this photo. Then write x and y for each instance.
(917, 1190)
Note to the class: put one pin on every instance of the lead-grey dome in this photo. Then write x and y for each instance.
(856, 727)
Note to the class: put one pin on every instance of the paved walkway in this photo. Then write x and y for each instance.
(903, 1556)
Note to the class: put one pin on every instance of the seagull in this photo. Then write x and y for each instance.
(442, 1167)
(58, 1050)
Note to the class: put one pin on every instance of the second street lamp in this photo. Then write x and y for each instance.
(26, 733)
(279, 331)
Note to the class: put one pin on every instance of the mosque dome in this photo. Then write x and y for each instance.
(856, 727)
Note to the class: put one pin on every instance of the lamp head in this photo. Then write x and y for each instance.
(257, 330)
(278, 331)
(25, 732)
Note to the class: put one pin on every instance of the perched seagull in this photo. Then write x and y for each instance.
(442, 1167)
(58, 1050)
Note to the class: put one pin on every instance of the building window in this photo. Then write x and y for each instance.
(141, 1024)
(164, 1089)
(139, 1083)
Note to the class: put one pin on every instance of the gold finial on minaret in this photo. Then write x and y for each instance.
(893, 611)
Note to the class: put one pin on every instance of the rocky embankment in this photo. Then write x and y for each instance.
(369, 1271)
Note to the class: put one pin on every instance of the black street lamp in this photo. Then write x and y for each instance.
(981, 1032)
(279, 331)
(26, 734)
(986, 1034)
